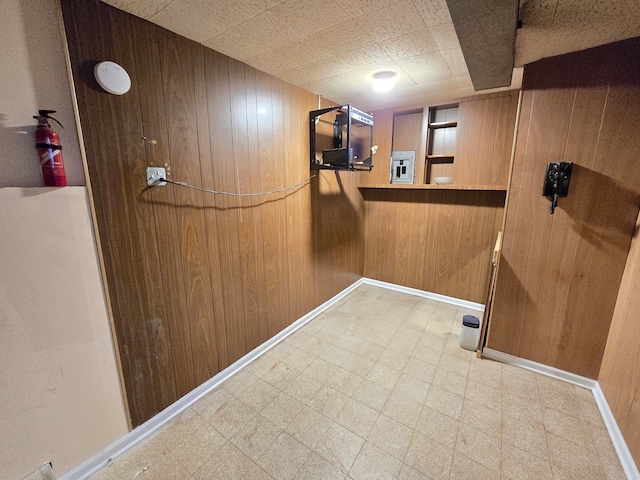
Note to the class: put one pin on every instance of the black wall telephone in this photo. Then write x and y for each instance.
(556, 182)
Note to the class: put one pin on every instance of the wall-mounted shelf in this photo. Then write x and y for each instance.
(442, 158)
(453, 123)
(431, 186)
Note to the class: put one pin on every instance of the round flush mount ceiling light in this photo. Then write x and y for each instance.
(112, 77)
(384, 81)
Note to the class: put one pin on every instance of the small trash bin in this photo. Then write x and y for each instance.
(470, 335)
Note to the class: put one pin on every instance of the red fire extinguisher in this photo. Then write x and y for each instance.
(49, 150)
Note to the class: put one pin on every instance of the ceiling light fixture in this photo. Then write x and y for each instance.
(384, 81)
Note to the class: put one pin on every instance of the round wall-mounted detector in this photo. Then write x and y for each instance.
(112, 77)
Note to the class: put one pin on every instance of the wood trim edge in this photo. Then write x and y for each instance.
(93, 214)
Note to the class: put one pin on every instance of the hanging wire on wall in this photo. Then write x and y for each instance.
(232, 194)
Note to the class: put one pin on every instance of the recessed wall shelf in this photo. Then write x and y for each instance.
(441, 142)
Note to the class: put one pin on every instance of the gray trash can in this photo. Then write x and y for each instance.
(470, 334)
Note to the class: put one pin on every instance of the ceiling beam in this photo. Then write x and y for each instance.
(486, 31)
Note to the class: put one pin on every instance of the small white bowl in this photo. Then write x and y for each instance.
(443, 180)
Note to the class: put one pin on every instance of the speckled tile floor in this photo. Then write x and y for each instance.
(377, 387)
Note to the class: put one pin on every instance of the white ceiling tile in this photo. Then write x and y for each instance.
(253, 37)
(433, 11)
(455, 60)
(355, 8)
(341, 38)
(304, 51)
(426, 68)
(367, 57)
(186, 19)
(444, 35)
(464, 82)
(139, 8)
(395, 20)
(301, 18)
(272, 62)
(411, 45)
(352, 83)
(441, 86)
(329, 67)
(298, 76)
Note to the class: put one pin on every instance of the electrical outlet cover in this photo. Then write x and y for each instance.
(154, 174)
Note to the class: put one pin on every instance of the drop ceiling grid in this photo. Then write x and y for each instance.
(332, 47)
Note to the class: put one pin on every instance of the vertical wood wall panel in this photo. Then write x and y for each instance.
(197, 280)
(438, 241)
(619, 376)
(559, 274)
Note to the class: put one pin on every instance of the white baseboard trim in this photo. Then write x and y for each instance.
(120, 446)
(626, 459)
(421, 293)
(539, 368)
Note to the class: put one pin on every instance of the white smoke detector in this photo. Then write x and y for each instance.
(112, 77)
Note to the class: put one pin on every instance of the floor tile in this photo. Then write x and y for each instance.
(438, 427)
(484, 395)
(284, 457)
(452, 382)
(316, 467)
(391, 436)
(260, 394)
(231, 417)
(372, 394)
(374, 463)
(478, 446)
(444, 402)
(282, 410)
(524, 435)
(572, 428)
(396, 355)
(402, 409)
(304, 389)
(429, 457)
(328, 402)
(412, 388)
(344, 381)
(358, 418)
(382, 375)
(520, 465)
(229, 463)
(485, 419)
(522, 409)
(308, 427)
(340, 447)
(573, 457)
(463, 468)
(256, 437)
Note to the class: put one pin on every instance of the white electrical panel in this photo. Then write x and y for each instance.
(402, 166)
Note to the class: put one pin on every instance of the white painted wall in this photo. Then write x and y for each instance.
(60, 396)
(33, 76)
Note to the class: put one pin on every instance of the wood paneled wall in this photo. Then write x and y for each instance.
(559, 274)
(440, 241)
(435, 240)
(197, 280)
(619, 375)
